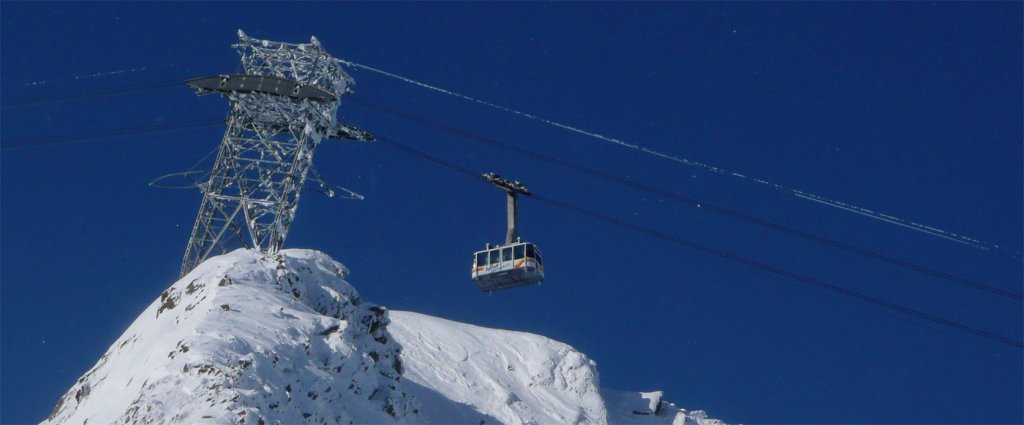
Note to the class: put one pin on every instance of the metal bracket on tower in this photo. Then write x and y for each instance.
(282, 106)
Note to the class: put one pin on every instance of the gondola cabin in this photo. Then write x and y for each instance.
(507, 266)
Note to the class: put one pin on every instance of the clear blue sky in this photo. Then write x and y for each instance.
(912, 109)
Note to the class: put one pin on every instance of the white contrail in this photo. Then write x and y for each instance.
(844, 206)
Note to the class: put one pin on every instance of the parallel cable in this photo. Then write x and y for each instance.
(103, 134)
(804, 195)
(32, 100)
(101, 74)
(25, 143)
(71, 138)
(723, 254)
(359, 101)
(843, 206)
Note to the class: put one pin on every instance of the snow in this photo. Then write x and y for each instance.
(507, 377)
(246, 338)
(284, 339)
(463, 373)
(631, 407)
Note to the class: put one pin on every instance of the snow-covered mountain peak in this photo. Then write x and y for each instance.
(284, 339)
(249, 338)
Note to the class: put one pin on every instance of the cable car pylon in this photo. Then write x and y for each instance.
(514, 263)
(282, 106)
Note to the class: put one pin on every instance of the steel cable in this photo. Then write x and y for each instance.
(688, 200)
(721, 253)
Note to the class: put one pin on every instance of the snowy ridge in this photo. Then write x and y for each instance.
(500, 376)
(246, 338)
(507, 377)
(284, 339)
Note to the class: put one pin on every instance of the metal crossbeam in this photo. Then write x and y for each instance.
(283, 105)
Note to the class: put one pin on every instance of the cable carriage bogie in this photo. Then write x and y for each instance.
(514, 263)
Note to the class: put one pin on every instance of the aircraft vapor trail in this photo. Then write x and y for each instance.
(822, 200)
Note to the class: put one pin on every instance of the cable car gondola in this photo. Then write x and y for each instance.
(514, 263)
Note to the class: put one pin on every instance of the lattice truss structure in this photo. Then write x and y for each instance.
(281, 108)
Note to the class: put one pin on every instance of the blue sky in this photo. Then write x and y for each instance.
(912, 109)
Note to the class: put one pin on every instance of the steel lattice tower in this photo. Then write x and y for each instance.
(282, 106)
